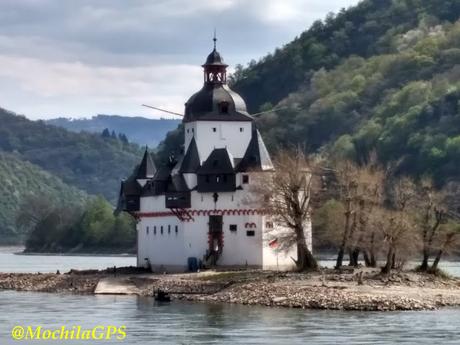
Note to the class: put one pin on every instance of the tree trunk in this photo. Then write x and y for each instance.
(389, 264)
(350, 257)
(393, 260)
(427, 247)
(367, 259)
(373, 259)
(305, 259)
(426, 257)
(341, 253)
(444, 247)
(434, 267)
(354, 259)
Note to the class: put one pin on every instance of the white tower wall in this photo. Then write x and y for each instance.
(210, 135)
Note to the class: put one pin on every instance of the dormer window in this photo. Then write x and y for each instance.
(223, 107)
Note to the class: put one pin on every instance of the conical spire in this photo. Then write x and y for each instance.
(256, 156)
(191, 161)
(147, 167)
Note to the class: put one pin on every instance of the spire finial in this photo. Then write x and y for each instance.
(215, 39)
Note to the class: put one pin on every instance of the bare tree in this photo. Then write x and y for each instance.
(371, 180)
(449, 239)
(360, 189)
(286, 195)
(399, 236)
(434, 214)
(346, 173)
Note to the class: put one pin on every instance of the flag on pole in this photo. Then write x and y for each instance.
(273, 243)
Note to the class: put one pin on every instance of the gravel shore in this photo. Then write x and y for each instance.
(353, 289)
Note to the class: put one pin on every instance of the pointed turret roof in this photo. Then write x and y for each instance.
(256, 156)
(129, 188)
(218, 162)
(191, 161)
(147, 167)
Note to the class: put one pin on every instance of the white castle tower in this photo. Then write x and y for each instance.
(191, 211)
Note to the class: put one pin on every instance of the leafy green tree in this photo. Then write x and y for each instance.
(97, 222)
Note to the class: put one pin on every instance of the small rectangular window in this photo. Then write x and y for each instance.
(233, 227)
(214, 129)
(155, 230)
(188, 130)
(176, 229)
(224, 107)
(241, 129)
(169, 229)
(245, 179)
(250, 233)
(161, 229)
(147, 230)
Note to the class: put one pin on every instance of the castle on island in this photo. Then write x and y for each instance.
(191, 210)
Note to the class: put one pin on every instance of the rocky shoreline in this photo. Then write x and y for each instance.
(358, 289)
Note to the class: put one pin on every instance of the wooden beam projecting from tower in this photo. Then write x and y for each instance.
(163, 110)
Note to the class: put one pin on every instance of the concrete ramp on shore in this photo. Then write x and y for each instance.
(115, 286)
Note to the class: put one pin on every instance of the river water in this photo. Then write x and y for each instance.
(196, 323)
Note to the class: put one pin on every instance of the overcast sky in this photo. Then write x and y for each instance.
(79, 58)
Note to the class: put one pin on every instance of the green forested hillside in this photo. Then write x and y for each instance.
(86, 161)
(385, 77)
(365, 30)
(21, 179)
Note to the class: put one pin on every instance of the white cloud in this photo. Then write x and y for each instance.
(108, 56)
(163, 85)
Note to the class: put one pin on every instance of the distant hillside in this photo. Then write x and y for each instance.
(139, 130)
(20, 179)
(86, 161)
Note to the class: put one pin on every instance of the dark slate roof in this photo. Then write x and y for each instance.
(147, 167)
(214, 59)
(163, 173)
(130, 185)
(179, 183)
(191, 161)
(256, 156)
(206, 105)
(148, 189)
(218, 162)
